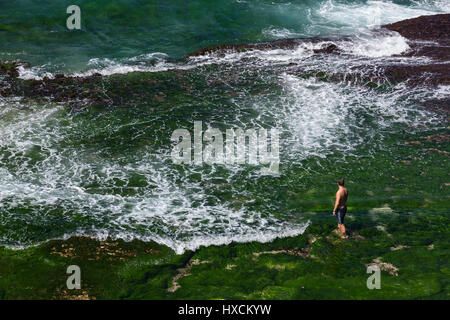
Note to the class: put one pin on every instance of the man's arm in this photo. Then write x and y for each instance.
(336, 204)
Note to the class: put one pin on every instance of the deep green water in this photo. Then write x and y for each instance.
(108, 172)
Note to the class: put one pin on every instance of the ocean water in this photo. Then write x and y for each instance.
(108, 173)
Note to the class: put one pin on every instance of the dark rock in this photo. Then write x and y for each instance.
(328, 49)
(10, 69)
(429, 35)
(432, 28)
(290, 43)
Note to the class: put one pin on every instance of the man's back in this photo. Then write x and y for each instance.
(342, 195)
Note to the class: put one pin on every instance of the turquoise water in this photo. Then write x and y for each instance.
(108, 171)
(35, 31)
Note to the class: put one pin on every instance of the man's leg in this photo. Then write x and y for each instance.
(341, 216)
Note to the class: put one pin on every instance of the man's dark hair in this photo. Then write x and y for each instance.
(341, 182)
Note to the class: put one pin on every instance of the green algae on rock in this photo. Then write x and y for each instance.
(331, 268)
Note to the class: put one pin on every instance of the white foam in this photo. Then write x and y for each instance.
(181, 246)
(280, 33)
(166, 211)
(348, 17)
(34, 73)
(321, 118)
(377, 46)
(442, 92)
(367, 45)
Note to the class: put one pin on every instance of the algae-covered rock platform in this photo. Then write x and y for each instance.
(411, 251)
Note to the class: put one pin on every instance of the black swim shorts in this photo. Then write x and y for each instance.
(340, 213)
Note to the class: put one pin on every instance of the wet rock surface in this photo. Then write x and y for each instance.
(289, 43)
(434, 28)
(429, 36)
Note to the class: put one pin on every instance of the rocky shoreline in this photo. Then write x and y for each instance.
(428, 37)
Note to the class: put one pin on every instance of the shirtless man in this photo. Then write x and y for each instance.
(340, 207)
